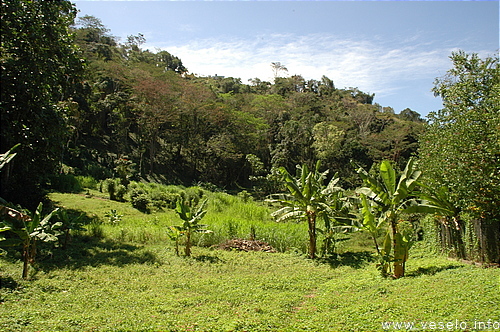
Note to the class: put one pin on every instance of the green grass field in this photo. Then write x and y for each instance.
(126, 277)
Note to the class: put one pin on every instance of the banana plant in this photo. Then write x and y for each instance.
(6, 157)
(391, 198)
(69, 222)
(304, 200)
(191, 223)
(370, 223)
(337, 217)
(309, 199)
(29, 229)
(4, 226)
(175, 233)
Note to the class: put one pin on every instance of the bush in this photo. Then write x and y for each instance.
(431, 230)
(162, 199)
(109, 186)
(192, 194)
(120, 192)
(87, 182)
(135, 191)
(142, 202)
(114, 188)
(245, 196)
(66, 183)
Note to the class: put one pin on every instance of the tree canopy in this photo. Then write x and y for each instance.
(41, 72)
(460, 150)
(175, 127)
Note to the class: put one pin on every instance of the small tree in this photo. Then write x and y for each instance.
(191, 223)
(175, 233)
(69, 222)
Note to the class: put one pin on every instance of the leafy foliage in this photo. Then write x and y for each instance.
(460, 150)
(385, 199)
(28, 230)
(41, 71)
(113, 216)
(191, 224)
(309, 199)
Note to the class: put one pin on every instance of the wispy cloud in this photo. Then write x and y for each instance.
(372, 65)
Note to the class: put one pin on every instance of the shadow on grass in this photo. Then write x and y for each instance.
(8, 282)
(209, 259)
(431, 270)
(355, 260)
(91, 251)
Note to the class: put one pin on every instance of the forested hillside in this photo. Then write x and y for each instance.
(143, 110)
(75, 100)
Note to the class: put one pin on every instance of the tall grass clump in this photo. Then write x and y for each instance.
(228, 216)
(237, 217)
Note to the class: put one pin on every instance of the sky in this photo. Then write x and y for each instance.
(394, 49)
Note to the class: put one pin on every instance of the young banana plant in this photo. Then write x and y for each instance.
(304, 200)
(391, 197)
(175, 233)
(29, 229)
(308, 199)
(191, 222)
(69, 223)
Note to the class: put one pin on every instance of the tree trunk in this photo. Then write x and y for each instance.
(29, 253)
(25, 261)
(187, 250)
(452, 237)
(177, 247)
(399, 267)
(487, 234)
(311, 218)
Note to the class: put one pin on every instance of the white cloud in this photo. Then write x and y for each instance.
(372, 65)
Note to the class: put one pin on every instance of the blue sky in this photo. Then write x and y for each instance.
(394, 49)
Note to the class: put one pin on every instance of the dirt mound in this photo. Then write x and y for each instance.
(246, 245)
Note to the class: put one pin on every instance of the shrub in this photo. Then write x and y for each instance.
(113, 216)
(142, 202)
(135, 191)
(192, 194)
(162, 199)
(87, 182)
(120, 192)
(114, 188)
(245, 196)
(66, 183)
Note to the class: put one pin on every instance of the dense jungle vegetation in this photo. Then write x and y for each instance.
(105, 106)
(76, 102)
(122, 174)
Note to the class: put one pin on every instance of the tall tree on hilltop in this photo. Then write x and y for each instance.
(277, 68)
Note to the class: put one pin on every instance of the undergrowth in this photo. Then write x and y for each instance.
(125, 276)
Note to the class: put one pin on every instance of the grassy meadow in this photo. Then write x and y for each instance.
(125, 276)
